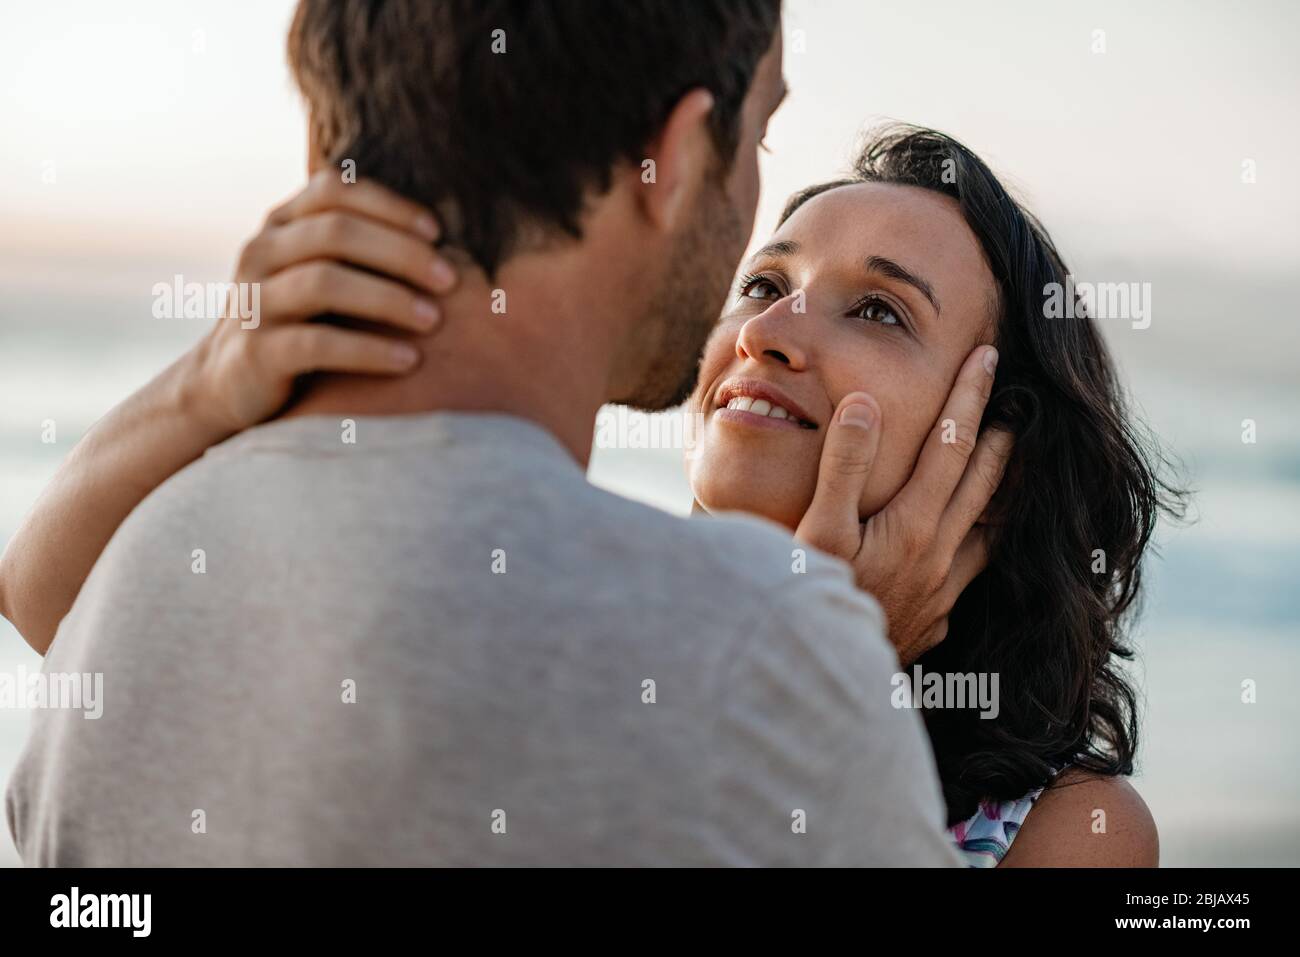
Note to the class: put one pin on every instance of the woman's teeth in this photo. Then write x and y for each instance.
(758, 407)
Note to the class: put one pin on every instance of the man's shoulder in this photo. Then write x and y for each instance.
(490, 506)
(732, 553)
(746, 575)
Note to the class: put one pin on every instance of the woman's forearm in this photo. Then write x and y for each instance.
(122, 458)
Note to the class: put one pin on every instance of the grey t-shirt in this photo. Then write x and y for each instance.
(438, 644)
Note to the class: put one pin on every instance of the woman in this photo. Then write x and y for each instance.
(882, 283)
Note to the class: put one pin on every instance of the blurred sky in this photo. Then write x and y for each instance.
(169, 129)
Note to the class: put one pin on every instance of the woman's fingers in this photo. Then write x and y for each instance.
(949, 447)
(348, 237)
(832, 522)
(978, 485)
(323, 286)
(356, 250)
(326, 190)
(295, 350)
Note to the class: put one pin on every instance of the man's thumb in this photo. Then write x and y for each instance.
(832, 522)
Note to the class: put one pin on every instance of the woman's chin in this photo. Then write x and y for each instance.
(760, 501)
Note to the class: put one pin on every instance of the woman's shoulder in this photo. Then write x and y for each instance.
(1084, 819)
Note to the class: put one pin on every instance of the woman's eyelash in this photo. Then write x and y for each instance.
(873, 300)
(749, 281)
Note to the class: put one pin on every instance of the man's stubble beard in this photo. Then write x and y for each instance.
(685, 307)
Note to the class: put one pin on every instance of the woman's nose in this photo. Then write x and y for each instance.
(776, 334)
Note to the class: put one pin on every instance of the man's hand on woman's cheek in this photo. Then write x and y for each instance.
(920, 551)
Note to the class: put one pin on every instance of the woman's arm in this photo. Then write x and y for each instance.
(240, 374)
(124, 456)
(1087, 820)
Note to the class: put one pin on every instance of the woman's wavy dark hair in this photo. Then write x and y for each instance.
(1083, 492)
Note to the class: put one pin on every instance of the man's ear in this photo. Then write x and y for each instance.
(677, 160)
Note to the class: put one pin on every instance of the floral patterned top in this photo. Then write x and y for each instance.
(984, 838)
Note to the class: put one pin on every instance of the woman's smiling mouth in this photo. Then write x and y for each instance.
(758, 404)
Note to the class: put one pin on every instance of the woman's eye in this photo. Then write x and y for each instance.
(876, 311)
(759, 289)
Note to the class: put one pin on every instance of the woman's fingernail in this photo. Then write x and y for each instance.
(426, 226)
(443, 276)
(405, 355)
(858, 415)
(426, 310)
(990, 360)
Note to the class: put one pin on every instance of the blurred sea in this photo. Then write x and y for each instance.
(1222, 777)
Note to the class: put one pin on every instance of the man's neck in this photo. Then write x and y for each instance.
(546, 358)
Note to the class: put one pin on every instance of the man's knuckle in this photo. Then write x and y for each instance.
(961, 440)
(849, 462)
(915, 538)
(990, 476)
(935, 572)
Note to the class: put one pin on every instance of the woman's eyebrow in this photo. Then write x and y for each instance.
(887, 267)
(776, 250)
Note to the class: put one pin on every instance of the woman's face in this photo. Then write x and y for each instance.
(870, 288)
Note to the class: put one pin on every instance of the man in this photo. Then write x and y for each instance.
(396, 625)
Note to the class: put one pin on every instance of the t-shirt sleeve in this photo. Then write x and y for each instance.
(814, 764)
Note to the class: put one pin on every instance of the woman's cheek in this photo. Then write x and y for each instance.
(881, 488)
(900, 444)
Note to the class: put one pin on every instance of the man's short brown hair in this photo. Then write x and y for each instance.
(502, 114)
